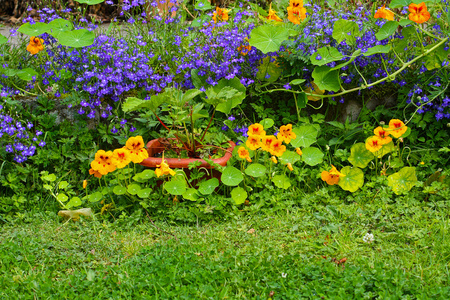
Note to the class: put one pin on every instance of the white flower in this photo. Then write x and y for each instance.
(368, 238)
(283, 275)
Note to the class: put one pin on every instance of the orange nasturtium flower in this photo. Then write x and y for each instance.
(256, 129)
(418, 13)
(296, 11)
(136, 147)
(36, 45)
(163, 168)
(243, 153)
(121, 157)
(253, 142)
(397, 128)
(383, 135)
(95, 173)
(273, 15)
(220, 14)
(374, 143)
(266, 141)
(384, 14)
(245, 49)
(286, 134)
(277, 148)
(103, 162)
(332, 176)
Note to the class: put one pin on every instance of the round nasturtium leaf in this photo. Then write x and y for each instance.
(76, 38)
(281, 181)
(306, 136)
(27, 74)
(353, 179)
(133, 188)
(90, 2)
(49, 177)
(175, 187)
(403, 181)
(144, 193)
(231, 176)
(74, 202)
(290, 157)
(208, 186)
(34, 29)
(360, 156)
(312, 156)
(59, 25)
(62, 197)
(191, 194)
(267, 123)
(239, 195)
(63, 184)
(119, 190)
(268, 38)
(95, 197)
(144, 175)
(255, 170)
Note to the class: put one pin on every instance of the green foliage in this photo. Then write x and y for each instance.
(268, 38)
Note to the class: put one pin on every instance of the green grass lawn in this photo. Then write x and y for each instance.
(291, 254)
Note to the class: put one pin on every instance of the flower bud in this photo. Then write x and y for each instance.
(84, 184)
(299, 151)
(289, 165)
(274, 159)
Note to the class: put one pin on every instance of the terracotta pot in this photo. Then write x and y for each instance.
(154, 147)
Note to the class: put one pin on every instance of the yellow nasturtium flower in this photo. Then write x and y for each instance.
(286, 134)
(296, 11)
(164, 169)
(331, 177)
(136, 147)
(273, 15)
(220, 14)
(374, 143)
(103, 162)
(266, 141)
(253, 142)
(277, 148)
(383, 135)
(256, 129)
(243, 153)
(121, 157)
(397, 128)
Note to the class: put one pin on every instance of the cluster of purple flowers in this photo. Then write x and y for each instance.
(19, 139)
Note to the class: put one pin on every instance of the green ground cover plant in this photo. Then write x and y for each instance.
(315, 201)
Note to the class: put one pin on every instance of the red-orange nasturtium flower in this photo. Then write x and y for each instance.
(273, 15)
(102, 162)
(121, 157)
(266, 141)
(418, 13)
(374, 143)
(256, 129)
(36, 45)
(220, 14)
(277, 148)
(286, 134)
(383, 135)
(95, 173)
(396, 128)
(253, 142)
(332, 176)
(296, 11)
(384, 14)
(136, 147)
